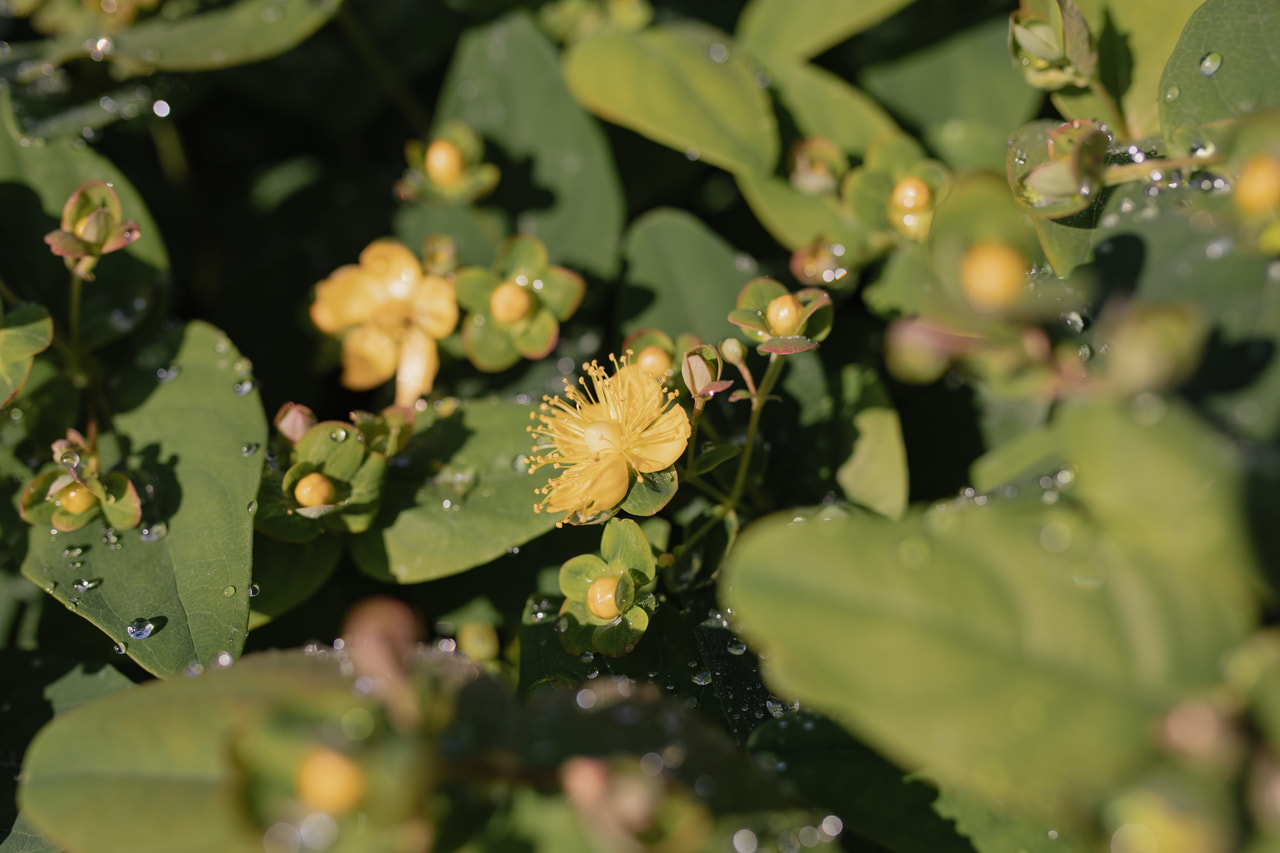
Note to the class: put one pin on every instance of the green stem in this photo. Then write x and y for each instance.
(1142, 171)
(77, 285)
(690, 452)
(383, 73)
(8, 295)
(1115, 117)
(717, 515)
(758, 399)
(697, 482)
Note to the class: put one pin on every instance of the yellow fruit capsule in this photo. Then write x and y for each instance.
(654, 360)
(911, 194)
(602, 597)
(76, 499)
(328, 781)
(315, 489)
(510, 303)
(783, 316)
(993, 276)
(1257, 192)
(444, 163)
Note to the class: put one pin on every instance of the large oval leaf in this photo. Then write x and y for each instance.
(682, 85)
(1014, 648)
(190, 444)
(799, 29)
(822, 104)
(142, 768)
(681, 277)
(463, 497)
(505, 82)
(1224, 65)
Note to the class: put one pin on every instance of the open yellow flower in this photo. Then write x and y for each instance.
(603, 435)
(389, 315)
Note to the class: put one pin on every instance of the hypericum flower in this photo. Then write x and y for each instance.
(73, 493)
(603, 435)
(389, 315)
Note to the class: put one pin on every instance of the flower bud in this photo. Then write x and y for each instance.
(602, 597)
(328, 781)
(732, 350)
(510, 303)
(315, 489)
(784, 316)
(76, 498)
(1257, 190)
(655, 361)
(478, 641)
(444, 163)
(993, 276)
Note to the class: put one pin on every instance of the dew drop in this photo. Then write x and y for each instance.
(252, 507)
(69, 459)
(167, 374)
(139, 629)
(72, 553)
(155, 532)
(243, 387)
(118, 648)
(737, 647)
(248, 449)
(85, 584)
(1210, 64)
(701, 678)
(254, 589)
(228, 591)
(1171, 94)
(339, 434)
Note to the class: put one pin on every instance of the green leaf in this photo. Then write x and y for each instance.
(961, 92)
(27, 331)
(183, 439)
(1135, 39)
(440, 522)
(477, 232)
(1015, 649)
(1219, 70)
(711, 459)
(245, 31)
(624, 545)
(681, 277)
(651, 492)
(164, 771)
(996, 830)
(875, 473)
(822, 104)
(1186, 247)
(578, 573)
(505, 82)
(699, 95)
(286, 575)
(796, 218)
(488, 346)
(51, 170)
(799, 29)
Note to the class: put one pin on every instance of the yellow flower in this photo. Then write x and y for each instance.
(389, 315)
(603, 436)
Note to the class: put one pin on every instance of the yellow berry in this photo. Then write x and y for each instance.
(992, 276)
(654, 360)
(328, 781)
(783, 316)
(444, 163)
(601, 597)
(76, 498)
(315, 489)
(1257, 192)
(510, 303)
(911, 193)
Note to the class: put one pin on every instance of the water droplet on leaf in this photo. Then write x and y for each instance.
(1210, 64)
(140, 629)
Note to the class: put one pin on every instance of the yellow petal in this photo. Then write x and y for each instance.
(662, 443)
(435, 305)
(419, 363)
(393, 267)
(344, 299)
(368, 358)
(591, 487)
